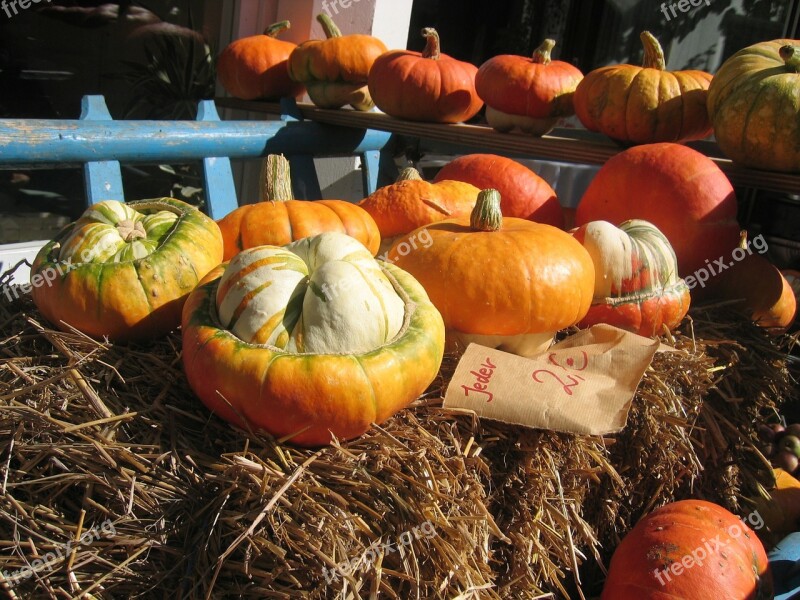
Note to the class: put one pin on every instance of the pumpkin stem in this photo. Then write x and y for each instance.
(486, 215)
(791, 56)
(542, 54)
(653, 53)
(433, 46)
(276, 179)
(409, 174)
(130, 231)
(275, 29)
(328, 26)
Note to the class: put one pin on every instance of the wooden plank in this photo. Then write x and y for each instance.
(562, 145)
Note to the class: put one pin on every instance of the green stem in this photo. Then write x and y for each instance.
(486, 215)
(433, 46)
(542, 54)
(276, 179)
(330, 28)
(653, 53)
(275, 29)
(409, 174)
(791, 56)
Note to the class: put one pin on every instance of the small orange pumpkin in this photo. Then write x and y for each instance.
(427, 86)
(529, 93)
(279, 219)
(256, 66)
(647, 104)
(335, 70)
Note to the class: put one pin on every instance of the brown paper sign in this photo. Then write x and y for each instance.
(585, 384)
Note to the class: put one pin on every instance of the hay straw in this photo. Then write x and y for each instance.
(92, 431)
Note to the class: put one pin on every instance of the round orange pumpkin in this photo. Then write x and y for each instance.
(529, 93)
(647, 104)
(781, 512)
(278, 219)
(335, 70)
(689, 549)
(256, 66)
(123, 271)
(310, 341)
(753, 106)
(636, 277)
(524, 194)
(427, 86)
(499, 281)
(677, 189)
(411, 202)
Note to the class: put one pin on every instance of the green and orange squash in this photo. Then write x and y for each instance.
(279, 219)
(123, 271)
(753, 106)
(647, 104)
(499, 281)
(528, 93)
(636, 277)
(311, 341)
(335, 70)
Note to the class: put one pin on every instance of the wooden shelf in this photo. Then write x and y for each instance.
(563, 145)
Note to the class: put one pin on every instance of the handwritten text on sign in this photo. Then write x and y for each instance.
(584, 385)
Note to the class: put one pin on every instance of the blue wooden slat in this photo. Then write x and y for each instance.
(28, 143)
(102, 179)
(218, 176)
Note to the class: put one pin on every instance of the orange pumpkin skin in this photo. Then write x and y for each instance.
(524, 194)
(411, 203)
(781, 513)
(541, 279)
(335, 70)
(278, 219)
(767, 296)
(426, 86)
(537, 88)
(643, 105)
(256, 66)
(735, 566)
(636, 282)
(677, 189)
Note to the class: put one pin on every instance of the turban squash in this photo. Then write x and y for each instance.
(278, 219)
(636, 277)
(335, 70)
(310, 341)
(499, 281)
(123, 271)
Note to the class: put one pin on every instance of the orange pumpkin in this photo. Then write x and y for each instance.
(647, 104)
(412, 202)
(500, 281)
(781, 511)
(636, 277)
(689, 549)
(335, 70)
(278, 219)
(529, 93)
(256, 66)
(677, 189)
(524, 194)
(427, 86)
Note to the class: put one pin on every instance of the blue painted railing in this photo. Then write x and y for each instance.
(98, 144)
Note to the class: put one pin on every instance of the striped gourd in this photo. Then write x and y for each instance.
(323, 294)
